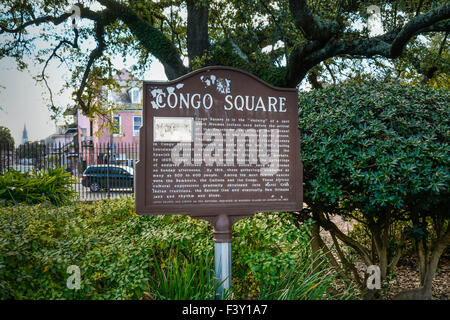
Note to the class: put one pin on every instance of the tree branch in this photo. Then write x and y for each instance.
(150, 37)
(312, 27)
(45, 19)
(52, 55)
(331, 227)
(389, 45)
(95, 54)
(197, 29)
(415, 25)
(345, 262)
(84, 13)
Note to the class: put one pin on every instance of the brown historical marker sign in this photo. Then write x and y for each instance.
(218, 144)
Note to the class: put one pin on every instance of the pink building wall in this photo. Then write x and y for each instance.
(126, 140)
(102, 134)
(126, 135)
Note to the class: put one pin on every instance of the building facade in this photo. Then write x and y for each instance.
(115, 137)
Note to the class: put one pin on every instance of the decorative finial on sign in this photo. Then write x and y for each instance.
(222, 229)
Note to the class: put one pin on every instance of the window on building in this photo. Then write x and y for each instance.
(137, 121)
(117, 125)
(135, 95)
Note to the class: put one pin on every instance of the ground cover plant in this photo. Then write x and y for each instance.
(122, 255)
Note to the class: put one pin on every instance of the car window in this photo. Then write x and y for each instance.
(116, 170)
(97, 170)
(124, 172)
(94, 170)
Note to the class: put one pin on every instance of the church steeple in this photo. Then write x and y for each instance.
(24, 134)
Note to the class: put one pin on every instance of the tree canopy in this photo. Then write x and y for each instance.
(282, 41)
(6, 137)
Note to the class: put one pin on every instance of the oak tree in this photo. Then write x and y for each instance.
(282, 41)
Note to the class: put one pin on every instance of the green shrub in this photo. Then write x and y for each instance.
(54, 186)
(122, 255)
(379, 153)
(264, 246)
(376, 147)
(272, 260)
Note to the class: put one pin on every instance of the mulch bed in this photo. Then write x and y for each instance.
(407, 277)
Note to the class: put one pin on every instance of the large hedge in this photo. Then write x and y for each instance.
(376, 146)
(379, 153)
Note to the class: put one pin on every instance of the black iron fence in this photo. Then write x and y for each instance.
(101, 170)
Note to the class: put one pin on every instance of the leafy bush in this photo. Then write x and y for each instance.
(376, 147)
(122, 255)
(378, 153)
(54, 186)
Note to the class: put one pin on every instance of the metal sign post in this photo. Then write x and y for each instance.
(222, 268)
(222, 256)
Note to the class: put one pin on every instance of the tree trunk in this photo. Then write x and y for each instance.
(315, 246)
(430, 266)
(318, 246)
(382, 254)
(316, 243)
(421, 260)
(381, 240)
(197, 30)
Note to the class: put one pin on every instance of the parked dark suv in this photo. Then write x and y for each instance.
(103, 176)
